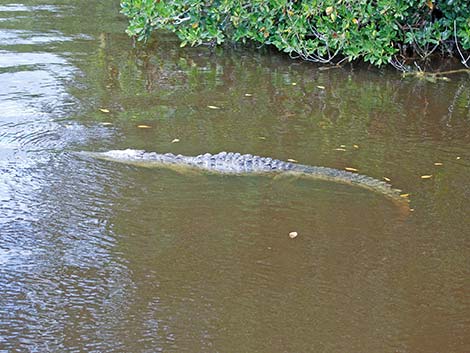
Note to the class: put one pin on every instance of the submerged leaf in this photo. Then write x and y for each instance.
(175, 140)
(144, 126)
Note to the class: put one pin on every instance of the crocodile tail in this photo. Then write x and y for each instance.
(363, 181)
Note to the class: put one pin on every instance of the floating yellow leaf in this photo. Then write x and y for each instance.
(342, 146)
(292, 160)
(175, 140)
(288, 115)
(104, 110)
(294, 83)
(293, 235)
(426, 176)
(458, 158)
(213, 107)
(248, 95)
(387, 179)
(404, 195)
(106, 123)
(438, 163)
(321, 87)
(144, 126)
(262, 137)
(355, 146)
(339, 149)
(349, 169)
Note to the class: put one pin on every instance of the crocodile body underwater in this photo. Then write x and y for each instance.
(236, 163)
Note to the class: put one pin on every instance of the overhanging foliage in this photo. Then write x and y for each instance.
(325, 31)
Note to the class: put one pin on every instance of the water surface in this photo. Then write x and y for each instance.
(103, 257)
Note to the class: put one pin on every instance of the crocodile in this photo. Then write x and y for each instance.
(236, 163)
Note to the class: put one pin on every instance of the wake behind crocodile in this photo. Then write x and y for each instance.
(236, 163)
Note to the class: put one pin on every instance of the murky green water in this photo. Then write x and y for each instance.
(101, 257)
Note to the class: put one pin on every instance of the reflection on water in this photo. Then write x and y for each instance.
(99, 257)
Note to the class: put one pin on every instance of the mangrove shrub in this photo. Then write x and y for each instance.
(326, 31)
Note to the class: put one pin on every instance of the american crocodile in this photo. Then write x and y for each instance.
(236, 163)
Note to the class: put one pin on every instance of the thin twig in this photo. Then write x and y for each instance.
(398, 65)
(463, 61)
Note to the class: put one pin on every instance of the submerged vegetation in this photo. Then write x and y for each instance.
(325, 31)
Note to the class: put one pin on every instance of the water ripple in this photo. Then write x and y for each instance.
(22, 37)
